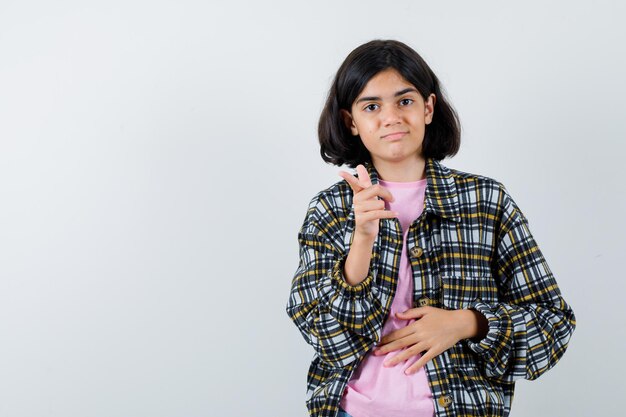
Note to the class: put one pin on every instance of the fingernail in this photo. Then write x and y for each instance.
(406, 372)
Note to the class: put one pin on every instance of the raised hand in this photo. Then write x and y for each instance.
(368, 209)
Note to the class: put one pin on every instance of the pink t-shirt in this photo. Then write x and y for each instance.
(375, 390)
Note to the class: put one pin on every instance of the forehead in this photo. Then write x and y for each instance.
(385, 83)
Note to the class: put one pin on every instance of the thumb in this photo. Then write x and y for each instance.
(364, 176)
(352, 181)
(411, 313)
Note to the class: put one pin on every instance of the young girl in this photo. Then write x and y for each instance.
(419, 286)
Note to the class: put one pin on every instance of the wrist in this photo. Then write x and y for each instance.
(357, 264)
(359, 239)
(473, 325)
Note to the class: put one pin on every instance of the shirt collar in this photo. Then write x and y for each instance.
(441, 197)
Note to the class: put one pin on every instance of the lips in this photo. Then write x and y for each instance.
(395, 135)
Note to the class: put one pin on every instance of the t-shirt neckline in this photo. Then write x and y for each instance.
(403, 184)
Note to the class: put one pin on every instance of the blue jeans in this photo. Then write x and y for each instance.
(343, 413)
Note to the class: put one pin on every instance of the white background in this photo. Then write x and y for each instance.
(157, 159)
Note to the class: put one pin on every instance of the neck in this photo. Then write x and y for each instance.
(404, 171)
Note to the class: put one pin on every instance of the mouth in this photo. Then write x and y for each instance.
(393, 136)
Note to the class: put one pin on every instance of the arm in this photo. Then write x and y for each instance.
(529, 330)
(339, 320)
(357, 264)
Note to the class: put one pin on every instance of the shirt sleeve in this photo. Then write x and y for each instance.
(530, 328)
(339, 320)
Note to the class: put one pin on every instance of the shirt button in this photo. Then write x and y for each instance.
(445, 400)
(416, 251)
(422, 302)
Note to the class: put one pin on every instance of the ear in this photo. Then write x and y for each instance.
(349, 121)
(429, 108)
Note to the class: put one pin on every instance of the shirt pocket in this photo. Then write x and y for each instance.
(459, 291)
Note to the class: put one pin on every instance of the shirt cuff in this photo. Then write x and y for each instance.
(497, 330)
(336, 282)
(354, 307)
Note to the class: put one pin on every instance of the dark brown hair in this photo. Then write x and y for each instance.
(338, 146)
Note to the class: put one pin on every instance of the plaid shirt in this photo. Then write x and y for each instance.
(471, 248)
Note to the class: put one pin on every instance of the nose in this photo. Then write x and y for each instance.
(390, 115)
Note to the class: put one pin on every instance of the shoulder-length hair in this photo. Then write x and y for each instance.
(337, 144)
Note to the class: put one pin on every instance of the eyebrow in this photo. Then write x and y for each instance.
(399, 93)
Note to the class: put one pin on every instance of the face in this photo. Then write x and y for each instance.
(390, 116)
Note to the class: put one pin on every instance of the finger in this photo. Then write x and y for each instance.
(419, 363)
(396, 334)
(364, 177)
(373, 191)
(403, 356)
(412, 313)
(352, 181)
(378, 214)
(400, 357)
(413, 350)
(397, 344)
(369, 205)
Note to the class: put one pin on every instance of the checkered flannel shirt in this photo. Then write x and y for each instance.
(471, 248)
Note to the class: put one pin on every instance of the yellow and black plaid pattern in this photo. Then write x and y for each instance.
(470, 248)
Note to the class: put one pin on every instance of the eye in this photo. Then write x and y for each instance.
(406, 101)
(370, 107)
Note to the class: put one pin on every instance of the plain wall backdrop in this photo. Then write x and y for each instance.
(157, 159)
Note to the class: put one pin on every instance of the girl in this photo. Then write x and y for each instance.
(419, 286)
